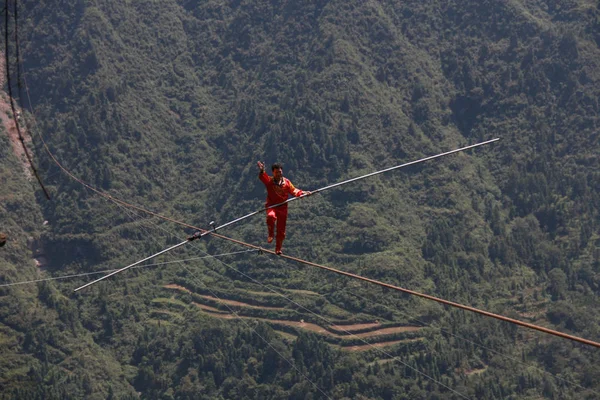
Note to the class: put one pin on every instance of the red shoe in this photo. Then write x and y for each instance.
(270, 239)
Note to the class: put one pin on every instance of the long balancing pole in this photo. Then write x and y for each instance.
(288, 201)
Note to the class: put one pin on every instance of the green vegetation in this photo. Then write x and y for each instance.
(168, 105)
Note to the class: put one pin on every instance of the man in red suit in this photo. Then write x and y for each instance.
(278, 190)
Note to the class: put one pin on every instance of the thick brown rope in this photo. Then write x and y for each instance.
(10, 96)
(425, 296)
(348, 274)
(354, 276)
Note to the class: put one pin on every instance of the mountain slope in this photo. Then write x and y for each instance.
(169, 105)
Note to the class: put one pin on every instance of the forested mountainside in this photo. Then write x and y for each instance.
(168, 105)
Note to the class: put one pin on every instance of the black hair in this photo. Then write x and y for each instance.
(276, 166)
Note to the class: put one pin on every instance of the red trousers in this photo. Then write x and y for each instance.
(278, 215)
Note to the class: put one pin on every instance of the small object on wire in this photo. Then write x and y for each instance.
(196, 235)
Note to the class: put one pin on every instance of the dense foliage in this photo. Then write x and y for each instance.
(169, 104)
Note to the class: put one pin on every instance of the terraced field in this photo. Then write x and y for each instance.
(349, 334)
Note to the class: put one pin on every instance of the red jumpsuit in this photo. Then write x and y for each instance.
(278, 193)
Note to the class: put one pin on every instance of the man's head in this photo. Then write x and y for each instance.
(277, 169)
